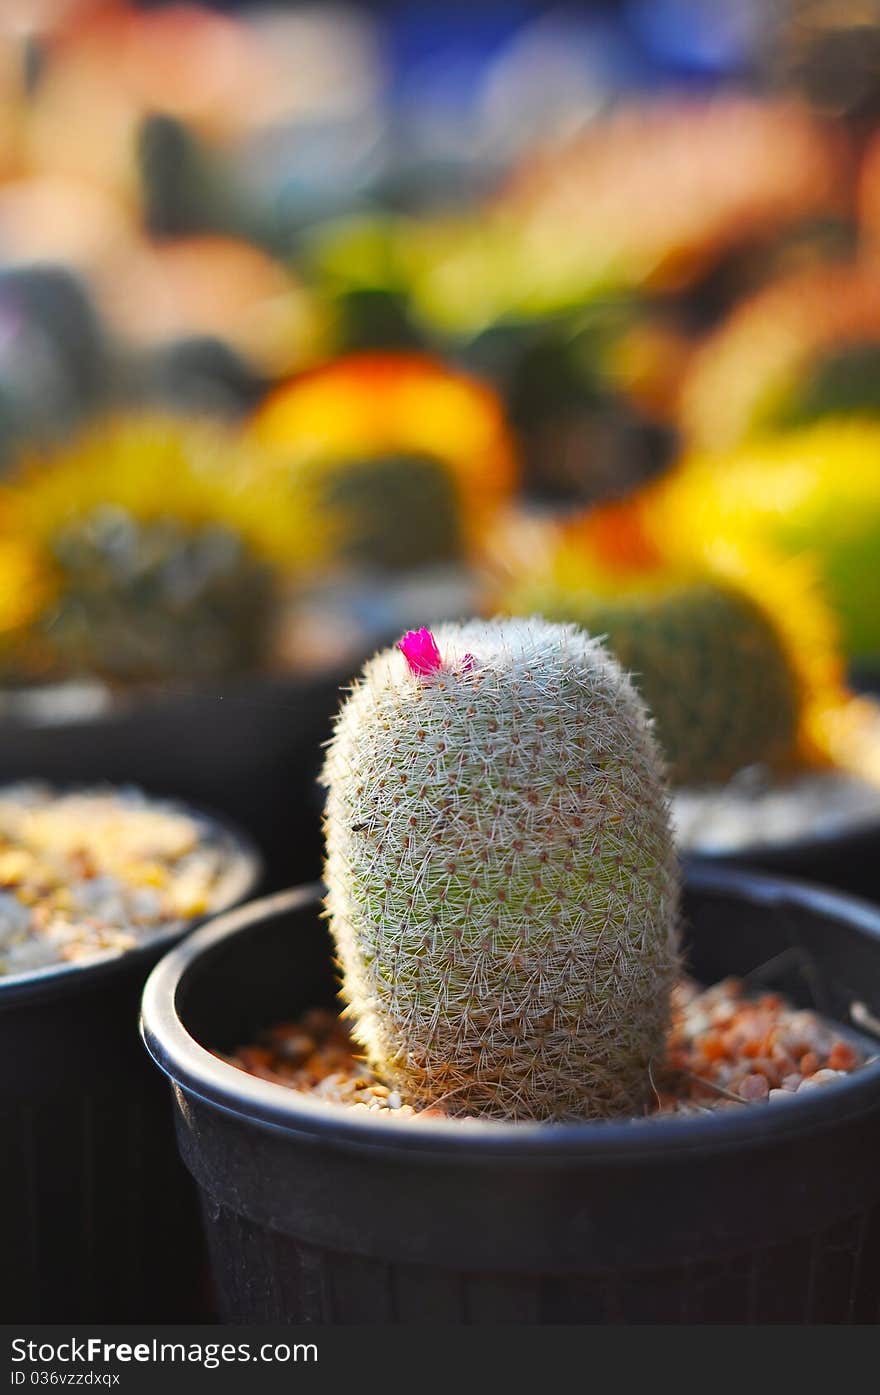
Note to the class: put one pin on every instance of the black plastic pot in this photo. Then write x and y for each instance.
(846, 860)
(249, 749)
(319, 1214)
(99, 1220)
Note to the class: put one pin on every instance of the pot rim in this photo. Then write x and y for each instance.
(241, 877)
(798, 847)
(268, 1106)
(94, 701)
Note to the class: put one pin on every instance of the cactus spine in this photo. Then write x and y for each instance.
(501, 875)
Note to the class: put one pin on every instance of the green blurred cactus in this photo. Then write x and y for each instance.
(845, 383)
(393, 512)
(708, 663)
(141, 601)
(733, 648)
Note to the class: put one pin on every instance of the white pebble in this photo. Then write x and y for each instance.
(821, 1077)
(775, 1095)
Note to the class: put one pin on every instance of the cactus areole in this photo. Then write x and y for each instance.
(501, 877)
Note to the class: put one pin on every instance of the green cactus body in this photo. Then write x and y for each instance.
(153, 600)
(366, 499)
(501, 876)
(710, 666)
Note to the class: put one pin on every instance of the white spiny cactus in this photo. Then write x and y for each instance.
(501, 877)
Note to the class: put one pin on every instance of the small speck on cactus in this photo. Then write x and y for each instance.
(501, 877)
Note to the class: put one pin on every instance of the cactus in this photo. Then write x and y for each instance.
(25, 591)
(355, 263)
(501, 878)
(162, 549)
(152, 600)
(368, 498)
(707, 663)
(582, 431)
(189, 187)
(813, 492)
(54, 364)
(372, 438)
(732, 651)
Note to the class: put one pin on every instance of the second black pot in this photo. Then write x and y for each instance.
(315, 1213)
(99, 1223)
(847, 860)
(249, 749)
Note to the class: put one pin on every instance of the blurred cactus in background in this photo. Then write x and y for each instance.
(54, 357)
(654, 195)
(829, 52)
(403, 461)
(187, 188)
(525, 266)
(813, 492)
(732, 650)
(111, 65)
(161, 548)
(357, 266)
(592, 399)
(805, 348)
(194, 288)
(590, 392)
(27, 589)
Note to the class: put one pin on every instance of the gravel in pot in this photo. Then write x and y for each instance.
(96, 885)
(726, 1048)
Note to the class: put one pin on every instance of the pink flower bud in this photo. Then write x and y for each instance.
(419, 648)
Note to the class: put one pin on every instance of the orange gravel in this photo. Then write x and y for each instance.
(726, 1050)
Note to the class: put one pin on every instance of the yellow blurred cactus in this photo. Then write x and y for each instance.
(813, 492)
(25, 586)
(156, 547)
(155, 466)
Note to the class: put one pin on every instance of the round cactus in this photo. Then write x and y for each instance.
(148, 600)
(368, 498)
(162, 548)
(501, 876)
(375, 437)
(708, 664)
(733, 650)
